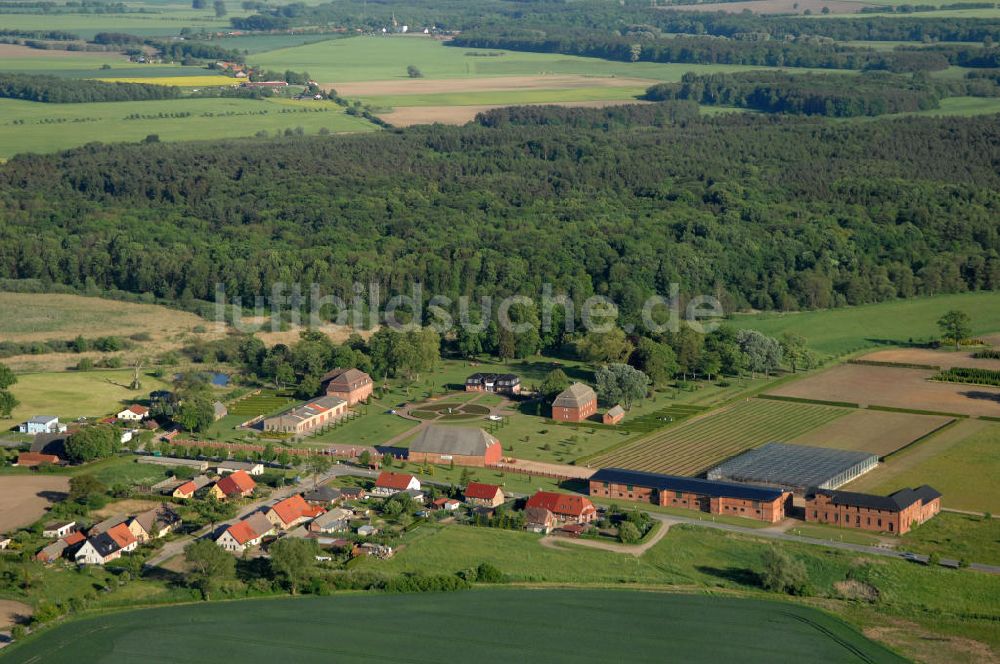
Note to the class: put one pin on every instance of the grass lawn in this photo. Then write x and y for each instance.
(49, 127)
(850, 329)
(965, 106)
(70, 395)
(957, 536)
(831, 534)
(375, 428)
(966, 473)
(351, 629)
(373, 58)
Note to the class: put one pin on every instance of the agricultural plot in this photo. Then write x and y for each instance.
(894, 387)
(351, 627)
(935, 358)
(265, 403)
(35, 127)
(693, 446)
(878, 432)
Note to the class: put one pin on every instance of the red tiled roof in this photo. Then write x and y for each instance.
(236, 483)
(242, 532)
(74, 537)
(35, 458)
(561, 503)
(138, 410)
(121, 535)
(187, 488)
(481, 491)
(290, 509)
(390, 480)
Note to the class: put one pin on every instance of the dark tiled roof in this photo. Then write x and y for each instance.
(105, 544)
(892, 503)
(685, 484)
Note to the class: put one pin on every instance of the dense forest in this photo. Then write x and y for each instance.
(734, 206)
(801, 52)
(56, 90)
(819, 94)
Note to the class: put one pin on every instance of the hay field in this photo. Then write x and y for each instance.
(872, 431)
(896, 388)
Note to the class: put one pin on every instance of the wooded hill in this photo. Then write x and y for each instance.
(770, 212)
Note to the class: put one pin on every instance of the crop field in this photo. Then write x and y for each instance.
(23, 500)
(351, 628)
(691, 447)
(158, 19)
(894, 387)
(260, 404)
(192, 81)
(850, 329)
(69, 395)
(49, 127)
(944, 358)
(874, 431)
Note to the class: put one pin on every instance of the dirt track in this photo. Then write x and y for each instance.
(457, 115)
(24, 498)
(426, 86)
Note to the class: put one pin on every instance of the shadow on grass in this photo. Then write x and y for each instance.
(738, 575)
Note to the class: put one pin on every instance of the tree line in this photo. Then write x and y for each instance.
(817, 94)
(56, 90)
(900, 208)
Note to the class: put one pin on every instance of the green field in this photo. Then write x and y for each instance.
(386, 58)
(691, 447)
(957, 536)
(49, 127)
(964, 106)
(550, 625)
(850, 329)
(509, 97)
(159, 19)
(966, 473)
(73, 394)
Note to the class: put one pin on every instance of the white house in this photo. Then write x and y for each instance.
(367, 531)
(42, 424)
(238, 537)
(336, 520)
(249, 467)
(389, 483)
(98, 550)
(134, 413)
(58, 528)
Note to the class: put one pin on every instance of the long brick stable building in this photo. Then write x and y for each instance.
(896, 513)
(752, 502)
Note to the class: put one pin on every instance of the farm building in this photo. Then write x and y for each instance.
(484, 495)
(705, 495)
(323, 496)
(895, 513)
(797, 468)
(310, 415)
(42, 424)
(566, 508)
(335, 521)
(189, 488)
(463, 446)
(197, 464)
(32, 459)
(134, 413)
(351, 385)
(254, 468)
(614, 415)
(492, 382)
(574, 404)
(58, 528)
(219, 410)
(50, 443)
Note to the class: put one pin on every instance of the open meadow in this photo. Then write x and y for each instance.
(352, 628)
(35, 127)
(851, 329)
(693, 446)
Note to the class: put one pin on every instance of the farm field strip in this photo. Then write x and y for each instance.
(875, 431)
(692, 447)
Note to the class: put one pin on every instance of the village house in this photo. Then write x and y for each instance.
(291, 512)
(539, 520)
(232, 486)
(98, 550)
(463, 446)
(254, 468)
(494, 383)
(614, 415)
(123, 537)
(485, 495)
(33, 459)
(154, 524)
(574, 404)
(353, 493)
(307, 417)
(238, 537)
(351, 385)
(323, 496)
(106, 525)
(134, 413)
(58, 528)
(896, 513)
(446, 504)
(335, 521)
(389, 483)
(566, 508)
(191, 487)
(61, 548)
(42, 424)
(367, 530)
